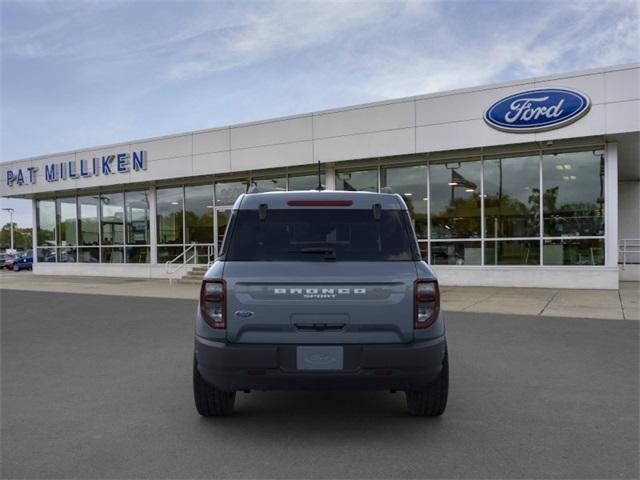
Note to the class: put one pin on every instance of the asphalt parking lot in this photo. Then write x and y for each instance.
(97, 386)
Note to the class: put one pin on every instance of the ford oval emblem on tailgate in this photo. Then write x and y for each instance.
(243, 313)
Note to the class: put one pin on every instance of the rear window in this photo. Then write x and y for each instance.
(319, 235)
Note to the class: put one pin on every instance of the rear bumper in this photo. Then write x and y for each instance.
(233, 367)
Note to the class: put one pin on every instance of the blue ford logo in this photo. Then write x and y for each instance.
(243, 313)
(537, 110)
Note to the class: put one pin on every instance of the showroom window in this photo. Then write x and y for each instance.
(170, 203)
(137, 227)
(411, 183)
(490, 210)
(573, 195)
(512, 197)
(228, 192)
(277, 184)
(198, 212)
(358, 181)
(306, 182)
(66, 210)
(455, 207)
(112, 227)
(88, 229)
(46, 230)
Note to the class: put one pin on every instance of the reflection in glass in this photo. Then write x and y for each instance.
(411, 183)
(228, 192)
(512, 252)
(363, 180)
(455, 253)
(137, 254)
(89, 255)
(512, 197)
(198, 212)
(67, 212)
(455, 200)
(88, 228)
(66, 255)
(47, 254)
(305, 182)
(166, 253)
(137, 217)
(574, 252)
(169, 207)
(46, 223)
(112, 218)
(573, 198)
(278, 184)
(424, 251)
(112, 255)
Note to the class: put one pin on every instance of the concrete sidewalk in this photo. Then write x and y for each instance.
(618, 305)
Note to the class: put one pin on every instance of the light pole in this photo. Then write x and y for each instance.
(10, 210)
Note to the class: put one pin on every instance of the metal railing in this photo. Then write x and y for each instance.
(189, 257)
(629, 246)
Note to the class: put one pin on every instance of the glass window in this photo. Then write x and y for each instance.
(455, 200)
(228, 192)
(574, 252)
(169, 206)
(137, 217)
(512, 252)
(137, 254)
(112, 255)
(89, 255)
(47, 254)
(270, 184)
(411, 183)
(306, 182)
(455, 253)
(46, 223)
(168, 253)
(198, 211)
(112, 218)
(88, 228)
(320, 235)
(573, 198)
(67, 212)
(363, 180)
(67, 255)
(512, 197)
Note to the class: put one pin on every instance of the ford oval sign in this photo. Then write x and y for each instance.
(537, 110)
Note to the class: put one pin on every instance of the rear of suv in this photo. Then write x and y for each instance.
(320, 290)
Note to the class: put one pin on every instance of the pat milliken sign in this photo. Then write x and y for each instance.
(118, 163)
(537, 110)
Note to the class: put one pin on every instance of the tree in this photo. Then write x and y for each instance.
(22, 238)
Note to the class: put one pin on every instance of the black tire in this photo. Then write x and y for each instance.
(211, 402)
(432, 401)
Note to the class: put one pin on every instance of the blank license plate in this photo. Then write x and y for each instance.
(319, 358)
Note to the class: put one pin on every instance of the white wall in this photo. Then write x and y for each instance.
(529, 276)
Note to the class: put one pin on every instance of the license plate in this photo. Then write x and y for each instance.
(319, 358)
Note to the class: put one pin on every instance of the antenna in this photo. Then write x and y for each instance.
(319, 187)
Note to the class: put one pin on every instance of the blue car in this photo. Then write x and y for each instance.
(24, 261)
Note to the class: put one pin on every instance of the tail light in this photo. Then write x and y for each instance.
(213, 295)
(426, 303)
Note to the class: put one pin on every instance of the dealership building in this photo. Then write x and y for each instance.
(531, 183)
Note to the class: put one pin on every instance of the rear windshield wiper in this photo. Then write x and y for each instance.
(330, 253)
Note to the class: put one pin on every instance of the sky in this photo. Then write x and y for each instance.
(77, 74)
